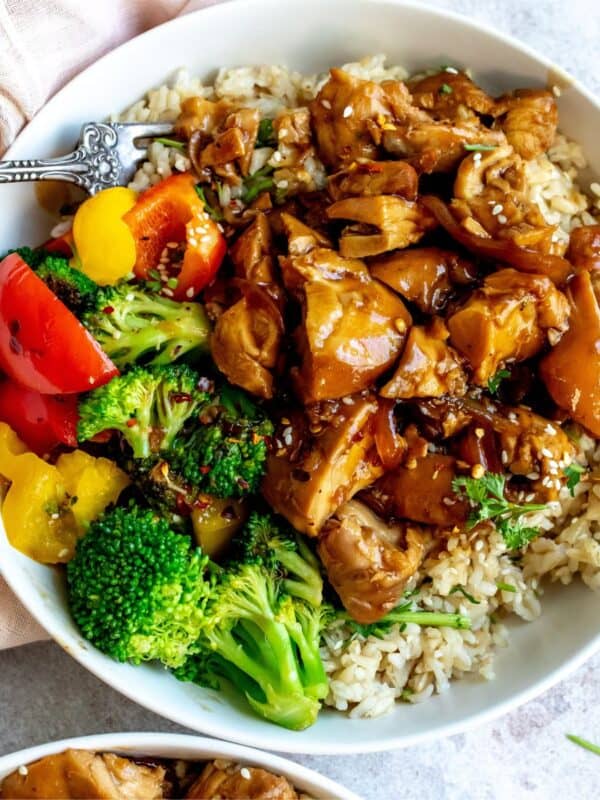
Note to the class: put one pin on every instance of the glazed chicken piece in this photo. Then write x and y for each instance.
(584, 248)
(369, 562)
(508, 318)
(398, 223)
(428, 366)
(234, 143)
(199, 114)
(490, 200)
(451, 96)
(348, 115)
(571, 370)
(252, 252)
(530, 121)
(80, 774)
(440, 418)
(424, 275)
(372, 178)
(307, 482)
(222, 781)
(246, 340)
(420, 490)
(353, 328)
(505, 250)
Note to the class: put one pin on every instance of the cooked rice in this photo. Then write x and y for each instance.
(368, 675)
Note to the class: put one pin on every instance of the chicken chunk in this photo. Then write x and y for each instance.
(424, 275)
(584, 248)
(308, 482)
(369, 562)
(200, 114)
(81, 774)
(372, 178)
(530, 122)
(508, 318)
(252, 254)
(428, 367)
(421, 491)
(571, 370)
(348, 113)
(451, 96)
(246, 341)
(220, 781)
(398, 223)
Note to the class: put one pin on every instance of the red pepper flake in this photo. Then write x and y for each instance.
(204, 470)
(131, 423)
(108, 310)
(256, 438)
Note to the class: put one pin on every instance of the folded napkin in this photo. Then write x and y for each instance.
(44, 43)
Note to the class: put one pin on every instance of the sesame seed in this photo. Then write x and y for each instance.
(546, 482)
(497, 209)
(277, 156)
(512, 416)
(61, 554)
(347, 112)
(556, 91)
(478, 545)
(452, 70)
(23, 770)
(502, 219)
(545, 452)
(245, 773)
(90, 380)
(530, 497)
(347, 401)
(448, 501)
(400, 325)
(168, 292)
(533, 476)
(325, 103)
(550, 430)
(282, 184)
(504, 457)
(477, 157)
(411, 463)
(171, 245)
(479, 433)
(477, 471)
(190, 292)
(193, 242)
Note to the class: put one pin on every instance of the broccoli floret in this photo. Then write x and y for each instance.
(149, 406)
(31, 257)
(137, 589)
(264, 642)
(284, 552)
(225, 456)
(71, 286)
(137, 326)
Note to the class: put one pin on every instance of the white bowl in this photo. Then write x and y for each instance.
(177, 745)
(308, 35)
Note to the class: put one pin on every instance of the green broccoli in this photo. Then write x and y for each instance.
(136, 588)
(265, 642)
(137, 326)
(32, 257)
(149, 406)
(284, 552)
(71, 286)
(225, 456)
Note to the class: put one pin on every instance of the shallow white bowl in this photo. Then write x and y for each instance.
(308, 35)
(176, 745)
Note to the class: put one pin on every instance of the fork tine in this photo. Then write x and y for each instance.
(145, 130)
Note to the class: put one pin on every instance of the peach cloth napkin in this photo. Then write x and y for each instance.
(44, 43)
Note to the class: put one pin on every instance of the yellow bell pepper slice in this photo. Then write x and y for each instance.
(10, 446)
(94, 482)
(104, 244)
(215, 525)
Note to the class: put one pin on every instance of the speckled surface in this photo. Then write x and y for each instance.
(45, 695)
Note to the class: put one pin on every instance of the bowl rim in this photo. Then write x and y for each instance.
(210, 724)
(305, 779)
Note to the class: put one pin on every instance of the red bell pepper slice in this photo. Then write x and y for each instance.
(172, 213)
(43, 346)
(42, 421)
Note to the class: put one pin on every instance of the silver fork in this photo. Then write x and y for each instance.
(107, 154)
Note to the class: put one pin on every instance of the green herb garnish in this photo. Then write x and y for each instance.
(213, 212)
(259, 181)
(463, 591)
(266, 134)
(506, 587)
(402, 615)
(171, 143)
(486, 495)
(573, 475)
(495, 381)
(479, 148)
(593, 748)
(445, 89)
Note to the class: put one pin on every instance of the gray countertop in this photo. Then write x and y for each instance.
(45, 695)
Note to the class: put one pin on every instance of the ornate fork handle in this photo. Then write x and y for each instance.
(94, 165)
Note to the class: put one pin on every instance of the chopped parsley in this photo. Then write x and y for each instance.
(463, 591)
(486, 495)
(171, 143)
(266, 134)
(259, 181)
(506, 587)
(445, 89)
(479, 148)
(495, 381)
(213, 211)
(593, 748)
(573, 475)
